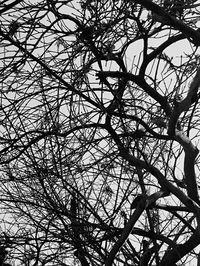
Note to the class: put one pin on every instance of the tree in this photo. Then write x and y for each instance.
(99, 132)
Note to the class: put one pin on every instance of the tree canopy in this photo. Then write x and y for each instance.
(99, 132)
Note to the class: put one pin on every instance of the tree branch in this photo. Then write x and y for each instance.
(190, 33)
(191, 152)
(164, 183)
(185, 104)
(174, 255)
(126, 231)
(9, 6)
(139, 80)
(144, 202)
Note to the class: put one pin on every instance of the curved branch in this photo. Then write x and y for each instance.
(184, 105)
(190, 33)
(152, 235)
(140, 121)
(127, 230)
(139, 80)
(191, 153)
(164, 183)
(174, 255)
(142, 204)
(159, 50)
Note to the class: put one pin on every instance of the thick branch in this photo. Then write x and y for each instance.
(185, 104)
(151, 235)
(76, 228)
(164, 183)
(144, 124)
(144, 202)
(189, 32)
(174, 255)
(191, 152)
(159, 50)
(142, 84)
(9, 6)
(127, 230)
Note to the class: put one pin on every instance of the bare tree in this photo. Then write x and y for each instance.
(99, 132)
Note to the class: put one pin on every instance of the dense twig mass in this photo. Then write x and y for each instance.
(99, 132)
